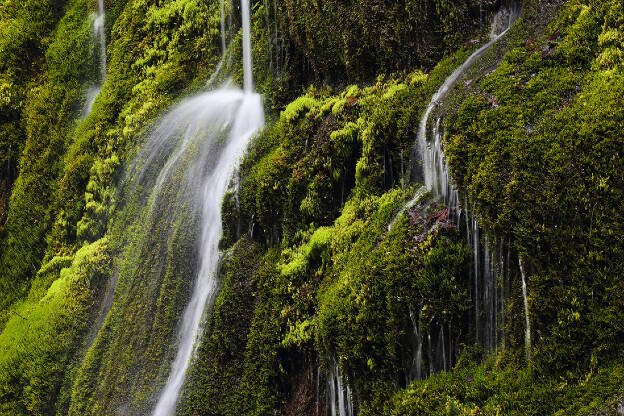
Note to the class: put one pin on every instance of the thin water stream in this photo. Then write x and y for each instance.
(527, 328)
(339, 395)
(435, 170)
(438, 181)
(100, 38)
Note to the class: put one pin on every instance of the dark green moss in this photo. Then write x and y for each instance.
(529, 148)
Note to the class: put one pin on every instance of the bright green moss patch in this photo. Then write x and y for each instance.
(47, 109)
(324, 147)
(39, 341)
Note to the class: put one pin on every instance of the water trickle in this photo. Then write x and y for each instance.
(437, 180)
(247, 64)
(223, 34)
(340, 398)
(527, 329)
(435, 169)
(236, 115)
(318, 389)
(442, 347)
(487, 294)
(476, 275)
(223, 62)
(100, 37)
(98, 29)
(430, 354)
(417, 361)
(421, 191)
(505, 291)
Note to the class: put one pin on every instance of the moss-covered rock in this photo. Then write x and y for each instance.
(324, 265)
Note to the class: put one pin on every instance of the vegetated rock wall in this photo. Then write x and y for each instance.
(315, 286)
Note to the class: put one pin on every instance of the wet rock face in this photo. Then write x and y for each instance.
(613, 408)
(479, 9)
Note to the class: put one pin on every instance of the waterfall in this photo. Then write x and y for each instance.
(437, 180)
(237, 115)
(340, 397)
(100, 38)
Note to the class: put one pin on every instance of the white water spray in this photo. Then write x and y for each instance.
(239, 114)
(100, 36)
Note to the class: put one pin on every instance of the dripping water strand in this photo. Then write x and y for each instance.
(438, 181)
(340, 396)
(247, 64)
(527, 328)
(417, 361)
(435, 169)
(224, 49)
(99, 35)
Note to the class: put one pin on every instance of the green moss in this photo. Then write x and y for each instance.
(486, 390)
(40, 340)
(48, 107)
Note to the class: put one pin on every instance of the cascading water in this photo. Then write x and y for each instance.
(237, 115)
(339, 395)
(438, 181)
(435, 170)
(100, 38)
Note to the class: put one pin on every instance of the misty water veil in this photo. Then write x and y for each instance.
(220, 123)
